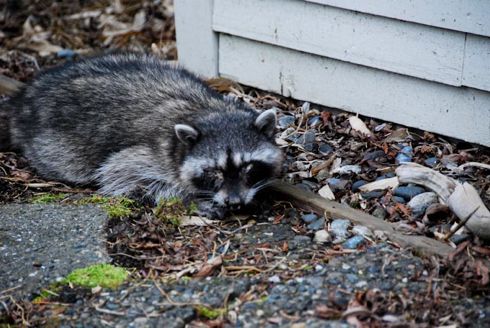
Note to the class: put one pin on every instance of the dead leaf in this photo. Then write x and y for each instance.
(208, 268)
(398, 135)
(358, 125)
(196, 221)
(325, 312)
(326, 192)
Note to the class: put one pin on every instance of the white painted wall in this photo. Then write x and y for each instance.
(406, 48)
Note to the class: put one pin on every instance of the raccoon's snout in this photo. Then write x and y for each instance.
(233, 202)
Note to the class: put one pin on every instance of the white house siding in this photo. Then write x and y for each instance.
(422, 63)
(470, 16)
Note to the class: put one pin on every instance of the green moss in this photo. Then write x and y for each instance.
(48, 198)
(308, 267)
(172, 209)
(263, 299)
(209, 313)
(103, 275)
(115, 207)
(46, 293)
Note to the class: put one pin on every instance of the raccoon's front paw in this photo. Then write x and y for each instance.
(211, 211)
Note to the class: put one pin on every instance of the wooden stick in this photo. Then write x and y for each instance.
(8, 85)
(421, 245)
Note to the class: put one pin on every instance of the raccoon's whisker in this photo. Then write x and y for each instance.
(262, 184)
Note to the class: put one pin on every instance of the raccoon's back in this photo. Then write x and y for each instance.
(102, 105)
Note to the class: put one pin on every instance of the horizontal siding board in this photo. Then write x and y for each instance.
(476, 72)
(458, 112)
(406, 48)
(472, 16)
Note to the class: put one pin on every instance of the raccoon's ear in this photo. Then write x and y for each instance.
(186, 133)
(266, 122)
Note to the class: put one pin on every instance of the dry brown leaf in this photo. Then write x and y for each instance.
(325, 312)
(208, 268)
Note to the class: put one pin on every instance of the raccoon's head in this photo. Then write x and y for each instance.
(230, 157)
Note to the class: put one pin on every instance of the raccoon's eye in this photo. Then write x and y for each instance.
(256, 172)
(211, 180)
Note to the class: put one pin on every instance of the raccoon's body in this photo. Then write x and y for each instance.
(131, 122)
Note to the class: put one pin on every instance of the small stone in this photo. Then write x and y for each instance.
(353, 242)
(408, 192)
(373, 155)
(405, 155)
(398, 199)
(372, 194)
(274, 279)
(317, 225)
(379, 212)
(431, 161)
(352, 278)
(385, 176)
(361, 231)
(419, 203)
(325, 149)
(339, 229)
(337, 184)
(286, 121)
(295, 138)
(322, 236)
(403, 158)
(356, 185)
(299, 241)
(311, 147)
(309, 137)
(314, 121)
(458, 239)
(304, 186)
(311, 184)
(308, 218)
(347, 169)
(361, 284)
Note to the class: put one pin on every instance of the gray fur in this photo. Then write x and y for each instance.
(127, 122)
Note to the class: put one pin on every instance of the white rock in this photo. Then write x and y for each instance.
(322, 236)
(419, 203)
(362, 231)
(346, 169)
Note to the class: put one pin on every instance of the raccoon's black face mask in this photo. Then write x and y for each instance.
(232, 165)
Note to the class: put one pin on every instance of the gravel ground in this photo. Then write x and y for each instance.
(42, 243)
(361, 282)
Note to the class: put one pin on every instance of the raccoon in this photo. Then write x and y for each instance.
(131, 123)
